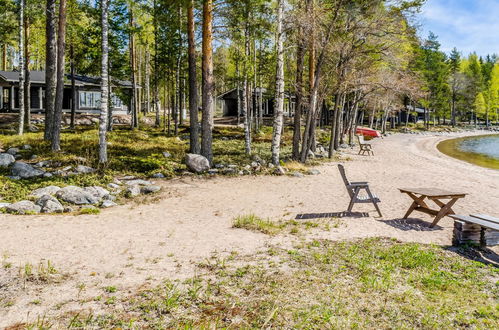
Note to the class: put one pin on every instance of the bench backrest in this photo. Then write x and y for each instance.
(360, 138)
(341, 168)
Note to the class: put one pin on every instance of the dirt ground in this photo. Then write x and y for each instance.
(137, 245)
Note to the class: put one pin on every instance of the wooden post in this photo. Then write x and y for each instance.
(12, 98)
(40, 97)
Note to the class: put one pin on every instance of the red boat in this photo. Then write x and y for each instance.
(368, 132)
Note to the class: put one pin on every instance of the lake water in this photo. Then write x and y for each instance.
(479, 150)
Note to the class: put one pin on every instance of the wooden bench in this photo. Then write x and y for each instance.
(476, 228)
(364, 147)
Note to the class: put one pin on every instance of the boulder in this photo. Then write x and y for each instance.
(138, 183)
(6, 160)
(26, 147)
(23, 207)
(197, 163)
(113, 186)
(3, 205)
(97, 192)
(50, 204)
(77, 195)
(310, 154)
(313, 171)
(150, 189)
(158, 176)
(25, 171)
(13, 151)
(50, 190)
(279, 170)
(85, 169)
(166, 154)
(108, 204)
(297, 175)
(133, 191)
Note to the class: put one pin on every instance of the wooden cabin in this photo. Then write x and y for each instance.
(87, 93)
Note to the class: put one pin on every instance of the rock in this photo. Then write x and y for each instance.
(150, 189)
(213, 171)
(68, 209)
(133, 191)
(6, 160)
(229, 171)
(13, 151)
(138, 183)
(14, 177)
(297, 174)
(97, 192)
(279, 170)
(240, 173)
(67, 168)
(85, 169)
(25, 171)
(3, 205)
(77, 195)
(247, 167)
(23, 207)
(166, 154)
(50, 190)
(197, 163)
(108, 204)
(258, 159)
(50, 204)
(110, 198)
(270, 165)
(43, 163)
(113, 186)
(344, 146)
(26, 147)
(255, 164)
(232, 166)
(47, 175)
(158, 176)
(313, 171)
(33, 157)
(311, 154)
(219, 166)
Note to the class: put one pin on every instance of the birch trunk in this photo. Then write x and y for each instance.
(193, 89)
(50, 67)
(104, 84)
(27, 76)
(73, 87)
(246, 93)
(61, 45)
(20, 130)
(207, 68)
(279, 96)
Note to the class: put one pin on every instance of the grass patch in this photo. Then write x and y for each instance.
(371, 283)
(255, 223)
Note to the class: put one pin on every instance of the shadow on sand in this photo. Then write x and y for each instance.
(411, 224)
(308, 216)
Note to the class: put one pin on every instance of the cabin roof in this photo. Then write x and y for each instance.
(38, 77)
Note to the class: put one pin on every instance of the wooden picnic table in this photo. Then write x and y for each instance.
(444, 199)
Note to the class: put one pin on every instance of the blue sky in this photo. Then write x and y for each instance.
(469, 25)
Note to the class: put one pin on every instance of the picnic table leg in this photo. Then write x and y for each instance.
(445, 210)
(418, 201)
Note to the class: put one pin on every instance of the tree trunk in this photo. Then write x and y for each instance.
(156, 73)
(207, 68)
(135, 110)
(300, 59)
(73, 87)
(148, 82)
(22, 108)
(195, 148)
(27, 81)
(59, 95)
(279, 94)
(104, 84)
(246, 93)
(50, 67)
(4, 57)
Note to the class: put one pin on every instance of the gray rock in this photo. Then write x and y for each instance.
(166, 154)
(128, 177)
(311, 154)
(150, 189)
(97, 192)
(50, 204)
(133, 191)
(43, 163)
(110, 198)
(270, 165)
(229, 171)
(219, 166)
(297, 175)
(344, 146)
(279, 170)
(113, 186)
(23, 207)
(85, 169)
(26, 147)
(138, 183)
(213, 171)
(14, 177)
(108, 204)
(3, 205)
(50, 190)
(68, 209)
(247, 167)
(197, 163)
(47, 175)
(67, 168)
(255, 164)
(6, 160)
(258, 159)
(232, 166)
(77, 195)
(13, 151)
(313, 171)
(240, 173)
(158, 176)
(33, 157)
(25, 171)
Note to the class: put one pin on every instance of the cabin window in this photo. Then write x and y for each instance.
(90, 100)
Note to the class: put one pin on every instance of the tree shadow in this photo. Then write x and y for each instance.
(409, 224)
(475, 253)
(308, 216)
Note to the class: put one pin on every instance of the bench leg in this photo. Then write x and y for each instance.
(374, 202)
(352, 200)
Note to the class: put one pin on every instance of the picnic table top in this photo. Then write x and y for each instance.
(432, 192)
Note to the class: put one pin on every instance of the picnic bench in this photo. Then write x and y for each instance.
(354, 189)
(364, 146)
(445, 200)
(476, 228)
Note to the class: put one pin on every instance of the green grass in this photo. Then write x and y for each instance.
(371, 283)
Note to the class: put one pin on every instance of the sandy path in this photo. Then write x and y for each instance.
(129, 246)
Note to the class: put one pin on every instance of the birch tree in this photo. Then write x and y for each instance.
(22, 5)
(279, 94)
(104, 83)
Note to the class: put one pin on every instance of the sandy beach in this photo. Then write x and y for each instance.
(138, 245)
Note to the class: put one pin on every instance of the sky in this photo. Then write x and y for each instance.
(468, 25)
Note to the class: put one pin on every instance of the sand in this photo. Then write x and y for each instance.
(139, 245)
